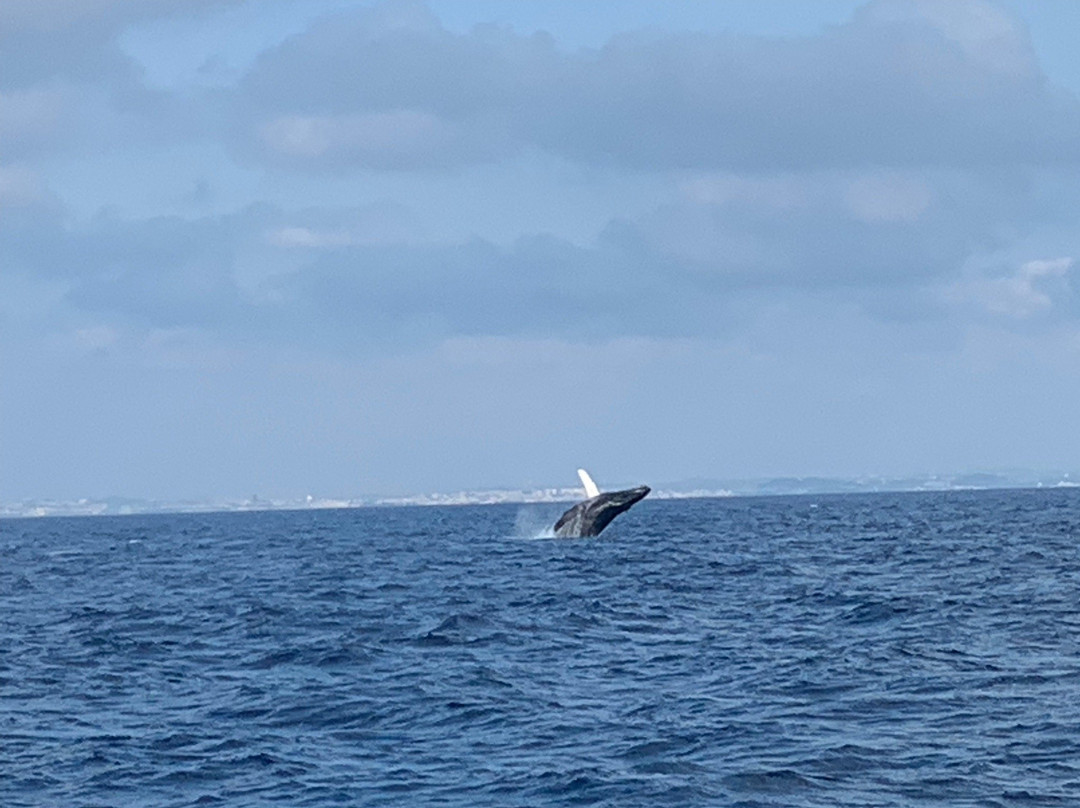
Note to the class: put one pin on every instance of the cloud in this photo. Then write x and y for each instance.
(96, 338)
(42, 40)
(831, 229)
(66, 85)
(385, 140)
(326, 283)
(869, 163)
(365, 280)
(985, 33)
(1033, 289)
(28, 114)
(43, 15)
(304, 237)
(902, 84)
(20, 187)
(890, 197)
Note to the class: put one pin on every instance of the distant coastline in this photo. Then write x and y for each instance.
(687, 489)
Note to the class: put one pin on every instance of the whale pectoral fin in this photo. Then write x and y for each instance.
(590, 487)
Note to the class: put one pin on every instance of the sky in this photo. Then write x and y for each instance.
(349, 248)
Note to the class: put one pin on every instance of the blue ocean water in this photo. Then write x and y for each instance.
(867, 650)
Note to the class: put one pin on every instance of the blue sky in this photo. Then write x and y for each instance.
(340, 248)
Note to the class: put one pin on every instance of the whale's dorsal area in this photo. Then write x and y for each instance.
(590, 487)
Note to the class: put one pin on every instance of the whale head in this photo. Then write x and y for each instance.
(622, 500)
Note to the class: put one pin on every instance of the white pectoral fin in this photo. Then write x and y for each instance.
(590, 487)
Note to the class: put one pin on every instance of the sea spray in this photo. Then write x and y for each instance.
(534, 523)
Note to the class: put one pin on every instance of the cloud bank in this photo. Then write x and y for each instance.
(903, 84)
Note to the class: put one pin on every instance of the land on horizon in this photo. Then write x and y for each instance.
(685, 489)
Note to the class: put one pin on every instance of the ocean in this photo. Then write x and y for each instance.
(855, 650)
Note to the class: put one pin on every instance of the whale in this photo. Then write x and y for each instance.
(591, 516)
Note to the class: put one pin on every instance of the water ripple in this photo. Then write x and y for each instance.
(882, 650)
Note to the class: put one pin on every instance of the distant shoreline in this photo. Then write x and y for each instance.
(779, 487)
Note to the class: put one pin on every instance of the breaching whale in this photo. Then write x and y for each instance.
(590, 517)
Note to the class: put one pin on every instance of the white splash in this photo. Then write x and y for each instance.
(533, 523)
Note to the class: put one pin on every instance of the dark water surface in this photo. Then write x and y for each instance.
(877, 650)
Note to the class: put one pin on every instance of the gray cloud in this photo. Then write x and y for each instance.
(65, 83)
(390, 88)
(334, 281)
(324, 283)
(42, 40)
(850, 228)
(902, 84)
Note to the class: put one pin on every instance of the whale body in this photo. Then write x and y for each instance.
(590, 517)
